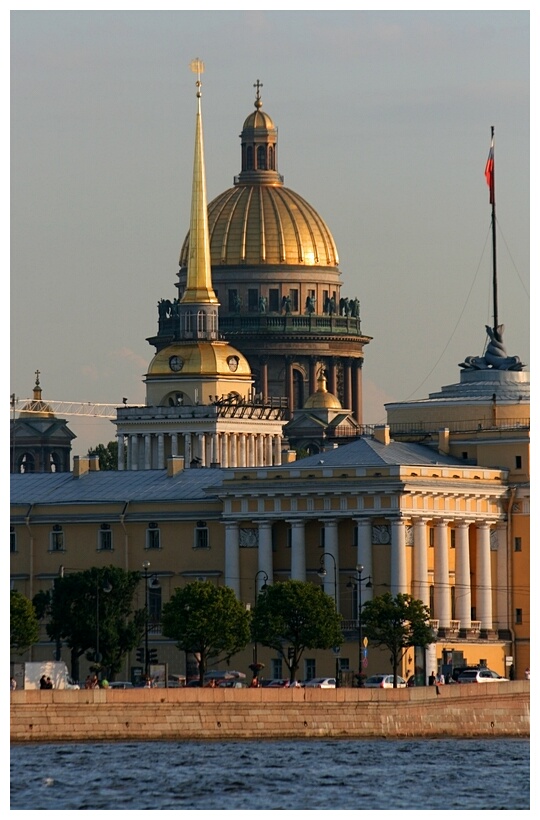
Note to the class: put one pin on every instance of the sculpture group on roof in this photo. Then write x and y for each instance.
(495, 356)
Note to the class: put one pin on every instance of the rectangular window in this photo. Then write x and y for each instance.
(277, 668)
(452, 539)
(13, 540)
(202, 541)
(344, 665)
(289, 538)
(153, 539)
(519, 616)
(431, 532)
(309, 669)
(518, 462)
(293, 293)
(233, 300)
(324, 299)
(154, 604)
(57, 539)
(105, 537)
(323, 537)
(465, 455)
(253, 300)
(273, 300)
(517, 544)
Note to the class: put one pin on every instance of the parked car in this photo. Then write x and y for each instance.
(384, 682)
(275, 683)
(231, 683)
(321, 683)
(482, 675)
(120, 684)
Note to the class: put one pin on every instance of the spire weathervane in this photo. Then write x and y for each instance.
(197, 66)
(258, 102)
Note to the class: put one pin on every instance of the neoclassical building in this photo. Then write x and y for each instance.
(435, 503)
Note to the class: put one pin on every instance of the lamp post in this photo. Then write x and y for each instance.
(154, 583)
(359, 581)
(107, 587)
(322, 573)
(264, 575)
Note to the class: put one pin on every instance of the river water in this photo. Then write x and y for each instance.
(285, 775)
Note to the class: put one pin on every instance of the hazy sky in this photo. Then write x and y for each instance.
(384, 122)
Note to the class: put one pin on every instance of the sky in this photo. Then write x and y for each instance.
(384, 122)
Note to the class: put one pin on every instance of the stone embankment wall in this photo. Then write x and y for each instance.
(481, 710)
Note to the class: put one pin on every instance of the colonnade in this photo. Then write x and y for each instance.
(401, 534)
(147, 451)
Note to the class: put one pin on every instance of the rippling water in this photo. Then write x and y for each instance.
(273, 775)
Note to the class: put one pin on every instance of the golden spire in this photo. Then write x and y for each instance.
(199, 280)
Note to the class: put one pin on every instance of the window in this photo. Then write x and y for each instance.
(322, 537)
(153, 540)
(453, 602)
(57, 539)
(465, 455)
(452, 539)
(234, 301)
(517, 544)
(431, 536)
(518, 462)
(293, 293)
(154, 602)
(201, 538)
(273, 300)
(261, 158)
(432, 600)
(289, 538)
(519, 616)
(12, 540)
(355, 536)
(253, 300)
(105, 537)
(309, 669)
(344, 665)
(277, 668)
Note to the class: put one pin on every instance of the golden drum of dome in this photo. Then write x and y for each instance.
(266, 225)
(200, 359)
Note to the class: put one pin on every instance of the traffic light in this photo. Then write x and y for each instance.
(152, 656)
(140, 654)
(290, 652)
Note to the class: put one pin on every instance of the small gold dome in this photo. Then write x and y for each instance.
(202, 358)
(322, 399)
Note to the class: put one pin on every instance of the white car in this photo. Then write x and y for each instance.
(384, 682)
(482, 675)
(321, 683)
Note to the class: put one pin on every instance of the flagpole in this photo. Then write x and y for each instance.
(493, 231)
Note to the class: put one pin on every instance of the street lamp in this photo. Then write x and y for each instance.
(153, 583)
(322, 573)
(264, 575)
(359, 581)
(107, 587)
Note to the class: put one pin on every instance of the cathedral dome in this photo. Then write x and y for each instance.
(259, 221)
(322, 399)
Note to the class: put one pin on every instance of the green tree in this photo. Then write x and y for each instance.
(207, 621)
(292, 616)
(95, 605)
(398, 624)
(24, 624)
(107, 455)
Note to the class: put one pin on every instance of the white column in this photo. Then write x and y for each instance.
(502, 576)
(134, 452)
(331, 546)
(232, 557)
(120, 460)
(483, 577)
(277, 451)
(208, 455)
(161, 451)
(298, 550)
(174, 444)
(443, 610)
(398, 558)
(463, 575)
(224, 450)
(242, 460)
(265, 562)
(147, 451)
(268, 451)
(420, 585)
(250, 451)
(259, 450)
(233, 450)
(201, 448)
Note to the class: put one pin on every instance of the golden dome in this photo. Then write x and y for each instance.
(36, 407)
(266, 224)
(259, 221)
(322, 399)
(192, 359)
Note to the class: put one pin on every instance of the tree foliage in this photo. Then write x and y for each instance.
(207, 621)
(107, 455)
(295, 616)
(398, 624)
(24, 625)
(79, 610)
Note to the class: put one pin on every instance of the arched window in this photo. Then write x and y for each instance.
(298, 388)
(201, 321)
(261, 157)
(249, 158)
(27, 463)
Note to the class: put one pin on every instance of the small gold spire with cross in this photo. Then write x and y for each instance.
(258, 102)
